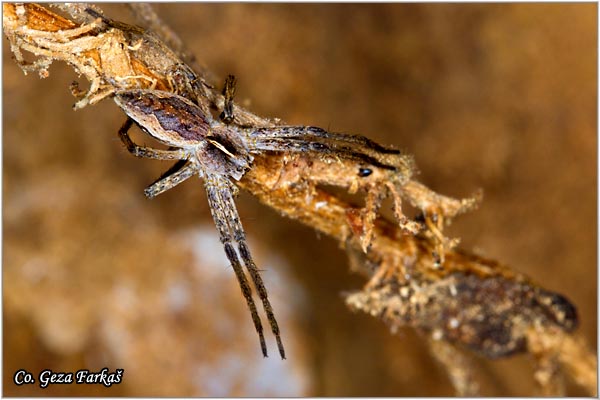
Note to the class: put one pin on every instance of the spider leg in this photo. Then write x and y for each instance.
(228, 91)
(312, 133)
(215, 186)
(179, 172)
(147, 152)
(291, 144)
(307, 145)
(240, 238)
(225, 191)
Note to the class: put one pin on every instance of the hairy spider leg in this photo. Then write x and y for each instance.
(308, 132)
(304, 133)
(181, 171)
(215, 187)
(239, 236)
(147, 152)
(220, 198)
(302, 145)
(228, 92)
(173, 177)
(295, 145)
(375, 195)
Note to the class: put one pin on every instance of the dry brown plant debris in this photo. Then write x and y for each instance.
(467, 301)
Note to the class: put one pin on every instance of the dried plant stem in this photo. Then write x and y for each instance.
(457, 366)
(556, 349)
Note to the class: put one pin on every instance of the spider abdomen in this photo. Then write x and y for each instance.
(169, 118)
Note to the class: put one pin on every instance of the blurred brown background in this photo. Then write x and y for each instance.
(499, 97)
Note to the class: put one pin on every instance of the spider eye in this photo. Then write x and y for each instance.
(364, 172)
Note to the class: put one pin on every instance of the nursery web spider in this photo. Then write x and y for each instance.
(219, 151)
(213, 152)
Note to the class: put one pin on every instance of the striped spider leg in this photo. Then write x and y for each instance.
(357, 163)
(215, 153)
(349, 162)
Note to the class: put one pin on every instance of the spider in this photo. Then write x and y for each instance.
(219, 152)
(214, 153)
